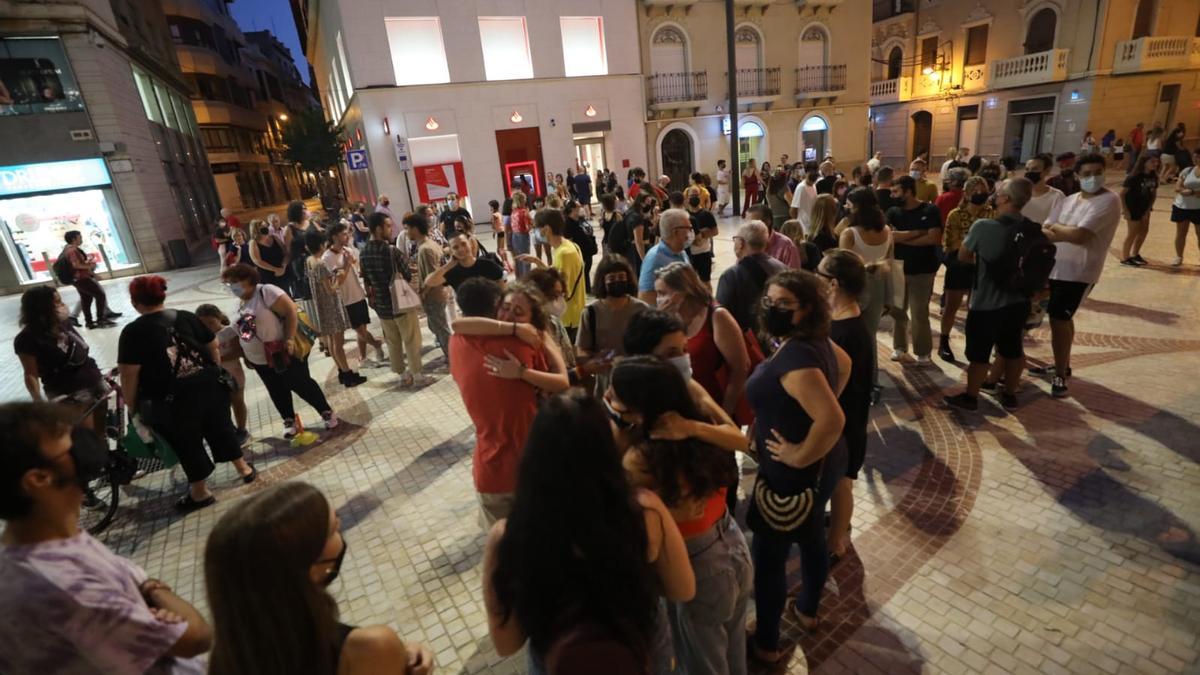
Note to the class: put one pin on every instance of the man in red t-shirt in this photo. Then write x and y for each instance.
(502, 409)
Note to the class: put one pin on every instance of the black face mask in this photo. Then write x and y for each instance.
(979, 199)
(617, 289)
(779, 321)
(264, 231)
(337, 563)
(1034, 176)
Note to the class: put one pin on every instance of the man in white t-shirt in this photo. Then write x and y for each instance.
(722, 186)
(875, 162)
(342, 260)
(1044, 204)
(1083, 230)
(805, 196)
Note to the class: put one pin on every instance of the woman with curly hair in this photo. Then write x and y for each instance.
(649, 398)
(578, 566)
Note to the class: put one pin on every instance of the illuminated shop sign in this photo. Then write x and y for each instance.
(20, 179)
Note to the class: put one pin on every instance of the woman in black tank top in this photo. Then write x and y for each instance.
(267, 565)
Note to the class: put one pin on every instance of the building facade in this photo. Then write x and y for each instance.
(438, 97)
(98, 137)
(1018, 77)
(802, 75)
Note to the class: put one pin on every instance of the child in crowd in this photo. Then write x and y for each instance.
(497, 227)
(231, 353)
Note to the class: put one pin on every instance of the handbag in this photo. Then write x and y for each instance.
(404, 296)
(156, 448)
(785, 513)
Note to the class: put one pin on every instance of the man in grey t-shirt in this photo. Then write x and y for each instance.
(996, 315)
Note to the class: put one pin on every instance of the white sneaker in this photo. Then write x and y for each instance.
(924, 361)
(289, 431)
(369, 363)
(1176, 262)
(331, 420)
(898, 355)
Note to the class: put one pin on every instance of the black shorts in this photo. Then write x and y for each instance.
(960, 276)
(702, 263)
(358, 313)
(1179, 215)
(1065, 298)
(1002, 329)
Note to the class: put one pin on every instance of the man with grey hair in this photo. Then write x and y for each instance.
(996, 314)
(675, 226)
(952, 194)
(741, 286)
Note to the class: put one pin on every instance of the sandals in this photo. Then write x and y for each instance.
(186, 504)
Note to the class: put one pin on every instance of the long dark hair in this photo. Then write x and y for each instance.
(574, 550)
(679, 469)
(268, 615)
(810, 293)
(37, 309)
(867, 213)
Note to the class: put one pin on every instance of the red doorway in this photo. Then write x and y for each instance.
(521, 157)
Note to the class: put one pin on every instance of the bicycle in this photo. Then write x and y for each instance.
(102, 495)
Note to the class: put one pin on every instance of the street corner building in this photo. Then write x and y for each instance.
(98, 136)
(436, 98)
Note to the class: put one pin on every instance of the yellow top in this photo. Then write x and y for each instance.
(957, 224)
(568, 260)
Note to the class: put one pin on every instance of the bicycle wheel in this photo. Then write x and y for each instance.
(100, 500)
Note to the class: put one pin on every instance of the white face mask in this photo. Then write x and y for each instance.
(558, 306)
(62, 312)
(1091, 184)
(454, 203)
(682, 363)
(916, 175)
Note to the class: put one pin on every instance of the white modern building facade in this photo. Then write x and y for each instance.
(476, 93)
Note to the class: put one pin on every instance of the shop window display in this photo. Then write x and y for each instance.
(35, 225)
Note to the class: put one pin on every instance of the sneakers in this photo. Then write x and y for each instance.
(924, 361)
(349, 378)
(331, 420)
(963, 401)
(898, 355)
(423, 381)
(1139, 260)
(1046, 370)
(1129, 262)
(1008, 401)
(1058, 387)
(243, 438)
(289, 431)
(1176, 262)
(944, 352)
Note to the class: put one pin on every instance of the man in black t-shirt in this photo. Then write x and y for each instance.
(883, 187)
(917, 229)
(453, 212)
(828, 178)
(464, 265)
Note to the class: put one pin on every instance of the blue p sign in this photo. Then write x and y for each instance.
(357, 159)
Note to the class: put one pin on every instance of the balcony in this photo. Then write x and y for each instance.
(669, 91)
(757, 85)
(1021, 71)
(891, 91)
(820, 81)
(1156, 53)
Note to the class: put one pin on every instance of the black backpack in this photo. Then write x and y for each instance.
(1028, 258)
(64, 269)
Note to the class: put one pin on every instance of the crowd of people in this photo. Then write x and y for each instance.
(625, 554)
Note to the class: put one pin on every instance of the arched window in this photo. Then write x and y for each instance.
(814, 133)
(814, 47)
(894, 60)
(677, 156)
(1039, 37)
(1143, 20)
(747, 48)
(668, 50)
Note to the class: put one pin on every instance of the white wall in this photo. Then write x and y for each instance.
(475, 112)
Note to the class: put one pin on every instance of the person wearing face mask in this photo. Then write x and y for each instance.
(55, 358)
(949, 200)
(286, 543)
(1065, 181)
(629, 235)
(268, 254)
(927, 191)
(960, 276)
(677, 235)
(917, 237)
(805, 195)
(741, 285)
(71, 604)
(580, 231)
(1082, 232)
(802, 456)
(453, 212)
(704, 228)
(603, 323)
(716, 346)
(568, 260)
(550, 283)
(1044, 204)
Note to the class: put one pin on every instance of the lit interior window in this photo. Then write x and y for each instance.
(418, 55)
(505, 44)
(583, 46)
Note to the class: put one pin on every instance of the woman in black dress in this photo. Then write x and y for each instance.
(268, 254)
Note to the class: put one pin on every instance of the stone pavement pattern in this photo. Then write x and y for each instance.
(1061, 539)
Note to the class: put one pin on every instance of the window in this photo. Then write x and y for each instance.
(583, 46)
(505, 48)
(345, 67)
(418, 56)
(146, 90)
(977, 37)
(35, 77)
(929, 53)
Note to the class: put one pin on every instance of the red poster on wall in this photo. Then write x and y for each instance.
(435, 181)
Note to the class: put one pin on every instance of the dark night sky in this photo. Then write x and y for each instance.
(275, 16)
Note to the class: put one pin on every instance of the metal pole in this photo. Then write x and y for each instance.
(408, 191)
(735, 168)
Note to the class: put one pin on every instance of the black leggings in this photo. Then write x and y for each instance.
(199, 413)
(296, 378)
(90, 290)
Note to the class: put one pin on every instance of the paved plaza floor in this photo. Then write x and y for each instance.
(1059, 539)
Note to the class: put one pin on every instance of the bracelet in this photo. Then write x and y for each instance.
(514, 328)
(521, 372)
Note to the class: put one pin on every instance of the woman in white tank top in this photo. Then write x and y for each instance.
(869, 236)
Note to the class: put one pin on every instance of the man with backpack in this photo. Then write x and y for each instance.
(73, 267)
(1013, 260)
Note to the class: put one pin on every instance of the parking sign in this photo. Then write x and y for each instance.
(356, 159)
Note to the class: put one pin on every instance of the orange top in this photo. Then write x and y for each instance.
(714, 509)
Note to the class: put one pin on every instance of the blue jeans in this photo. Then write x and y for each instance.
(520, 245)
(770, 550)
(710, 630)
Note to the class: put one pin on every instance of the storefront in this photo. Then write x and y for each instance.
(39, 203)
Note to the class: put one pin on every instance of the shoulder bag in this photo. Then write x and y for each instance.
(404, 297)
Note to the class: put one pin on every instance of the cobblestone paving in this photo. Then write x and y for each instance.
(1061, 539)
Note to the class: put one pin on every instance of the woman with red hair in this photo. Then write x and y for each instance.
(172, 378)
